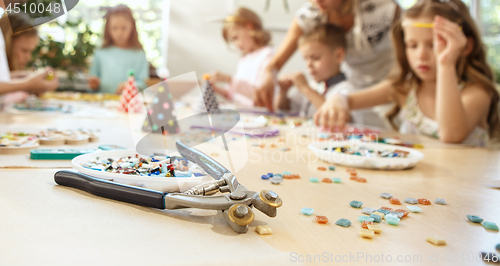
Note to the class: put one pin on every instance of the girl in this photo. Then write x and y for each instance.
(121, 51)
(443, 86)
(244, 30)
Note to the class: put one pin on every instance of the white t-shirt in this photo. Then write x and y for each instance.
(4, 66)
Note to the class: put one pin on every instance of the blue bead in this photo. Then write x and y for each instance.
(307, 211)
(376, 218)
(270, 174)
(265, 177)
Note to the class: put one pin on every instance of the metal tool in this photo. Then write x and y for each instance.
(236, 204)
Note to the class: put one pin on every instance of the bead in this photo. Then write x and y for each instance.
(265, 177)
(321, 168)
(331, 168)
(276, 181)
(384, 211)
(498, 247)
(321, 219)
(356, 204)
(436, 240)
(355, 178)
(414, 208)
(354, 174)
(279, 176)
(411, 201)
(474, 218)
(398, 214)
(284, 149)
(404, 212)
(366, 233)
(376, 218)
(294, 176)
(307, 211)
(287, 173)
(440, 201)
(336, 180)
(326, 180)
(368, 210)
(375, 228)
(270, 175)
(490, 225)
(386, 208)
(361, 180)
(381, 214)
(343, 222)
(395, 201)
(363, 218)
(424, 201)
(365, 224)
(313, 180)
(392, 219)
(350, 170)
(386, 195)
(264, 230)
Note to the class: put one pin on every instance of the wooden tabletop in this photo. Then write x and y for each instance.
(46, 224)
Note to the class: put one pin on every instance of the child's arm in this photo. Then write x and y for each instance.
(219, 77)
(282, 102)
(314, 97)
(457, 113)
(35, 83)
(221, 91)
(335, 110)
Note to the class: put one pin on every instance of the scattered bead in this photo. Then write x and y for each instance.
(398, 214)
(363, 218)
(366, 233)
(392, 219)
(361, 180)
(294, 176)
(270, 174)
(365, 224)
(386, 208)
(424, 201)
(307, 211)
(436, 240)
(336, 180)
(278, 176)
(368, 211)
(414, 208)
(395, 201)
(276, 181)
(284, 149)
(343, 222)
(498, 247)
(386, 195)
(382, 215)
(474, 218)
(265, 177)
(356, 204)
(375, 228)
(376, 218)
(384, 211)
(313, 180)
(490, 225)
(321, 168)
(350, 170)
(331, 168)
(264, 230)
(354, 178)
(411, 201)
(287, 173)
(404, 212)
(326, 180)
(321, 219)
(440, 201)
(354, 174)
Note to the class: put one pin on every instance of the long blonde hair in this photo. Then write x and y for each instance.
(244, 17)
(471, 69)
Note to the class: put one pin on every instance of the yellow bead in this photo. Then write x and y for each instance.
(375, 228)
(366, 233)
(436, 240)
(264, 230)
(379, 214)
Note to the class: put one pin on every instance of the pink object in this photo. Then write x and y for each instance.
(128, 101)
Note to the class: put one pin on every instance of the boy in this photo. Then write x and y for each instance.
(323, 50)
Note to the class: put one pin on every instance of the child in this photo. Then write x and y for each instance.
(121, 51)
(443, 87)
(244, 30)
(323, 48)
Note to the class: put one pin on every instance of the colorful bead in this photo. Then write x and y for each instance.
(414, 208)
(276, 181)
(354, 174)
(350, 170)
(395, 201)
(384, 211)
(440, 201)
(321, 219)
(270, 175)
(365, 224)
(424, 201)
(313, 180)
(376, 218)
(398, 214)
(366, 233)
(474, 218)
(498, 247)
(336, 180)
(490, 225)
(294, 176)
(386, 195)
(355, 178)
(381, 214)
(331, 168)
(264, 230)
(386, 208)
(404, 212)
(436, 240)
(375, 228)
(411, 201)
(265, 177)
(321, 168)
(356, 204)
(361, 180)
(392, 219)
(326, 180)
(363, 218)
(368, 211)
(343, 222)
(307, 211)
(287, 173)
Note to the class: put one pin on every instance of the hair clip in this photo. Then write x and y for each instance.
(417, 24)
(233, 19)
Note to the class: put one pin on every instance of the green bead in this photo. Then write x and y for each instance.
(383, 211)
(474, 218)
(376, 218)
(356, 204)
(392, 219)
(343, 222)
(313, 180)
(363, 218)
(413, 208)
(490, 225)
(331, 168)
(336, 180)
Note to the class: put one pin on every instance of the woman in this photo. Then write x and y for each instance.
(367, 25)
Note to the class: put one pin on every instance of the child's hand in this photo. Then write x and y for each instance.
(219, 77)
(285, 83)
(119, 88)
(94, 82)
(39, 82)
(449, 41)
(299, 80)
(333, 113)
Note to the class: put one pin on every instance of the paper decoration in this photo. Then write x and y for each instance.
(128, 101)
(161, 114)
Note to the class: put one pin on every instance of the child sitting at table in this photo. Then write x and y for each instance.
(323, 49)
(244, 30)
(443, 86)
(120, 52)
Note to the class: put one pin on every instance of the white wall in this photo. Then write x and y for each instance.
(195, 44)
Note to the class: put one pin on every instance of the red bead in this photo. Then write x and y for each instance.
(424, 201)
(354, 178)
(386, 208)
(321, 168)
(361, 180)
(350, 170)
(365, 224)
(326, 180)
(395, 201)
(404, 212)
(321, 219)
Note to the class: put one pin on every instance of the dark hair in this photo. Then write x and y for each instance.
(125, 11)
(331, 35)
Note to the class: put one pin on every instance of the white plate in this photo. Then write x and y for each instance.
(358, 161)
(165, 184)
